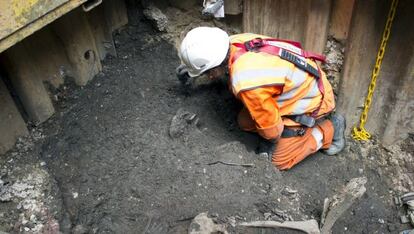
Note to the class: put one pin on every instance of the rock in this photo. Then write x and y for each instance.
(267, 215)
(182, 122)
(202, 224)
(79, 229)
(5, 193)
(335, 207)
(157, 18)
(289, 192)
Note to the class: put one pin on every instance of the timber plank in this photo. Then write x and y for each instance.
(12, 124)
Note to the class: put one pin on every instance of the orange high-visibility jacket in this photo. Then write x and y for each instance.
(271, 88)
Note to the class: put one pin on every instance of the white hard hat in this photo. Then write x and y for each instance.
(204, 48)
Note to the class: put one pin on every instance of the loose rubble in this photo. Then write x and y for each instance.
(334, 51)
(27, 192)
(183, 122)
(155, 15)
(202, 224)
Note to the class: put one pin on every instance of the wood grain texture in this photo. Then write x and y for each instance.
(390, 115)
(78, 39)
(341, 18)
(12, 125)
(305, 21)
(27, 82)
(233, 7)
(317, 25)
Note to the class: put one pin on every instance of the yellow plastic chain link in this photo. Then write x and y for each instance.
(359, 132)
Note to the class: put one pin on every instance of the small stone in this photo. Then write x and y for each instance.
(391, 227)
(203, 224)
(232, 221)
(182, 123)
(288, 191)
(79, 229)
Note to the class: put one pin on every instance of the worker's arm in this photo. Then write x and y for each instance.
(264, 111)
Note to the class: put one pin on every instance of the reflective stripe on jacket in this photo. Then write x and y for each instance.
(300, 93)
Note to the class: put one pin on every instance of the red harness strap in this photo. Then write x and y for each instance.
(273, 46)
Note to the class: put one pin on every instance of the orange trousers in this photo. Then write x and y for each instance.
(290, 151)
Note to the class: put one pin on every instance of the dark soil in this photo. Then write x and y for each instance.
(109, 143)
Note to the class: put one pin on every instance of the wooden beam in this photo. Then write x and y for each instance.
(341, 18)
(12, 125)
(24, 75)
(41, 22)
(77, 37)
(317, 25)
(277, 18)
(49, 57)
(102, 32)
(115, 13)
(233, 7)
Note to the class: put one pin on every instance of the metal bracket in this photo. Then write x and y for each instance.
(89, 5)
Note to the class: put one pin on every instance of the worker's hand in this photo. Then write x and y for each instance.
(182, 74)
(266, 148)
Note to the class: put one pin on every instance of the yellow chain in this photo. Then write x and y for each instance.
(360, 133)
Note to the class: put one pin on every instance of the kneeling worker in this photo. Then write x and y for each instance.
(285, 94)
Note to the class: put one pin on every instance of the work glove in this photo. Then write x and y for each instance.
(182, 74)
(266, 148)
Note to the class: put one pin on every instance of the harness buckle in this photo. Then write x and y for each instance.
(301, 131)
(254, 44)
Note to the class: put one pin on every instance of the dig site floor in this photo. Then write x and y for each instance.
(113, 166)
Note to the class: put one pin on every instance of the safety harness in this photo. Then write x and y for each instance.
(292, 52)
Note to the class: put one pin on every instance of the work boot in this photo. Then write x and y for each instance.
(338, 141)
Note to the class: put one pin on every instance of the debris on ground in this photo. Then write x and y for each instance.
(30, 191)
(333, 209)
(339, 203)
(271, 211)
(232, 164)
(395, 161)
(155, 15)
(408, 201)
(308, 226)
(183, 122)
(202, 224)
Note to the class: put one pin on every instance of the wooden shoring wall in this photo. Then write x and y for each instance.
(359, 24)
(71, 47)
(305, 21)
(391, 113)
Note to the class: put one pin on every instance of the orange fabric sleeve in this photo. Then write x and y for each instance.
(264, 111)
